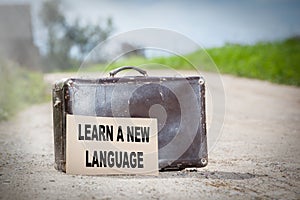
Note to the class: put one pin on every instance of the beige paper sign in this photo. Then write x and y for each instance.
(107, 145)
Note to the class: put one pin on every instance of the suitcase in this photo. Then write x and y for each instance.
(178, 103)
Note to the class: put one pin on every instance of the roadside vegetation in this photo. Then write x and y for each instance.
(277, 62)
(19, 88)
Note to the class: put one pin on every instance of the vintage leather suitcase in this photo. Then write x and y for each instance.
(178, 103)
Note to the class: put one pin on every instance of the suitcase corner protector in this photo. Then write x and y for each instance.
(58, 85)
(60, 166)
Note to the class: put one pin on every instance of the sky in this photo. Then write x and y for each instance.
(208, 23)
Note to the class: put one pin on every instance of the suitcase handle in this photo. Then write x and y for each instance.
(114, 72)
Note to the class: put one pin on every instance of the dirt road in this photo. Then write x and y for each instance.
(257, 155)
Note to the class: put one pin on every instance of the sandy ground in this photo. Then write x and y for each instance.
(256, 156)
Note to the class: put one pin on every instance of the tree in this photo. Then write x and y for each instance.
(84, 37)
(54, 20)
(65, 37)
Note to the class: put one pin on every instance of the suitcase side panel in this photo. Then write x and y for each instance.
(59, 128)
(196, 155)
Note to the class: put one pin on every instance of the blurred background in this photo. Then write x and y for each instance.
(256, 39)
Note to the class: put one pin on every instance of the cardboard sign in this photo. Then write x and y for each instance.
(106, 145)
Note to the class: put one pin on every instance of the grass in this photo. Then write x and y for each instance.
(277, 62)
(19, 88)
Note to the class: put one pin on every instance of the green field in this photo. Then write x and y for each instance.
(19, 88)
(277, 62)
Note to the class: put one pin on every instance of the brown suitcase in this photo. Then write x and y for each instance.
(178, 103)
